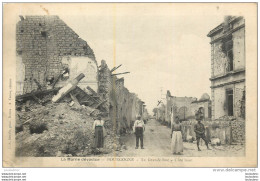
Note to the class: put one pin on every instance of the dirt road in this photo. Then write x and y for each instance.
(157, 143)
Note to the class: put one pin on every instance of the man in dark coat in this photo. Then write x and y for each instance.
(199, 129)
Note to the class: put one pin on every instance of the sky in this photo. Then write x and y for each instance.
(164, 46)
(161, 50)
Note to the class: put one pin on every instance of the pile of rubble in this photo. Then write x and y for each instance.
(61, 128)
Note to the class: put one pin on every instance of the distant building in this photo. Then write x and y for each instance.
(228, 68)
(160, 113)
(178, 106)
(203, 103)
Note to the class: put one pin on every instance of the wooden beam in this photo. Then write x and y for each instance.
(27, 121)
(29, 95)
(120, 73)
(38, 84)
(92, 91)
(56, 80)
(74, 99)
(36, 99)
(113, 69)
(99, 104)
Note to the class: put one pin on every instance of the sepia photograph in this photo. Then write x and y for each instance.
(129, 85)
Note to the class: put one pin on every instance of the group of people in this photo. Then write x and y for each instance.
(139, 128)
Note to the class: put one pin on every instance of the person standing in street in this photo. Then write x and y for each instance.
(199, 129)
(176, 135)
(139, 129)
(98, 128)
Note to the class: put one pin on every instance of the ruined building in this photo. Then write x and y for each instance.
(49, 54)
(47, 50)
(228, 68)
(178, 106)
(122, 106)
(204, 103)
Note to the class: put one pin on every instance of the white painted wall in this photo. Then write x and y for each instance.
(85, 65)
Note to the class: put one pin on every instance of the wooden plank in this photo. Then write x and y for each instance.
(92, 91)
(28, 121)
(113, 69)
(120, 73)
(43, 92)
(56, 80)
(99, 104)
(74, 99)
(38, 84)
(36, 99)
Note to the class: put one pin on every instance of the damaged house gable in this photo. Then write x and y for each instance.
(228, 68)
(50, 52)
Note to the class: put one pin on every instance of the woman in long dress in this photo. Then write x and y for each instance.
(98, 127)
(177, 143)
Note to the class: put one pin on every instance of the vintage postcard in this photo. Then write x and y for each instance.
(129, 84)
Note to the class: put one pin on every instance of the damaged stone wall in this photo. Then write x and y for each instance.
(220, 60)
(105, 86)
(229, 132)
(239, 101)
(181, 107)
(121, 105)
(42, 42)
(228, 67)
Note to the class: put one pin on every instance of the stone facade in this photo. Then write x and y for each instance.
(46, 47)
(228, 68)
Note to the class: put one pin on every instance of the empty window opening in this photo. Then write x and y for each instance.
(44, 33)
(227, 48)
(229, 95)
(230, 59)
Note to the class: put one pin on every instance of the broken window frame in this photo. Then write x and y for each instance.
(227, 48)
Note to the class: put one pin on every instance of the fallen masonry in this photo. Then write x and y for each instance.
(60, 129)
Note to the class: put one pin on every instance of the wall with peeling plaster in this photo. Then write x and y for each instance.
(221, 77)
(78, 65)
(239, 49)
(43, 42)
